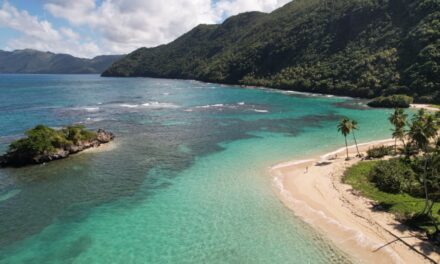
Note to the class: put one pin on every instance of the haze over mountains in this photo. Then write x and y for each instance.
(362, 48)
(33, 61)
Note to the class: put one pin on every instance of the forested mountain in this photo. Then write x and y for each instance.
(360, 48)
(33, 61)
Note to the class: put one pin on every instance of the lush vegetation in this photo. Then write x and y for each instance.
(405, 206)
(43, 139)
(379, 152)
(395, 176)
(77, 133)
(408, 184)
(364, 48)
(392, 101)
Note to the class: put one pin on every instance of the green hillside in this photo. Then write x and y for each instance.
(34, 61)
(360, 48)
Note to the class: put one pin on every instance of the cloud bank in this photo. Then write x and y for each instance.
(118, 26)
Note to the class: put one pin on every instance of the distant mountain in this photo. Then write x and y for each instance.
(362, 48)
(33, 61)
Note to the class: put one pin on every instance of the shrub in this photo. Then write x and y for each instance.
(77, 133)
(392, 101)
(379, 152)
(394, 176)
(39, 140)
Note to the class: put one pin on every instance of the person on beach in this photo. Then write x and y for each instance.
(307, 169)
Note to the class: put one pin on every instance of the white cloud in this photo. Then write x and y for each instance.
(40, 34)
(126, 25)
(227, 8)
(69, 33)
(120, 26)
(29, 25)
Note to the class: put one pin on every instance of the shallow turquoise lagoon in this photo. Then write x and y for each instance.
(186, 180)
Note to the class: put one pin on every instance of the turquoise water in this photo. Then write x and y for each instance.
(185, 182)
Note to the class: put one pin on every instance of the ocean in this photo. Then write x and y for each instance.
(186, 180)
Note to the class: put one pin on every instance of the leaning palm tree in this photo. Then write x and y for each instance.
(398, 119)
(354, 126)
(345, 127)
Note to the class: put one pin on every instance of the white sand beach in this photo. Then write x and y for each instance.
(316, 194)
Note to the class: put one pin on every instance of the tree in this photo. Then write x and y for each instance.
(398, 119)
(423, 129)
(434, 187)
(345, 127)
(40, 139)
(354, 126)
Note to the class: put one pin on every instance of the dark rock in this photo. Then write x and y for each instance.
(104, 136)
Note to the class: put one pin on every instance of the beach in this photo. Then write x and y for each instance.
(425, 106)
(313, 189)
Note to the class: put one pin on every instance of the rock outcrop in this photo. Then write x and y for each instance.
(19, 158)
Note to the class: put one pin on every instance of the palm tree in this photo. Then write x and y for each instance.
(398, 119)
(345, 127)
(418, 136)
(431, 126)
(423, 129)
(421, 114)
(354, 126)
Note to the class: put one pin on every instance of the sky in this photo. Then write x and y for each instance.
(87, 28)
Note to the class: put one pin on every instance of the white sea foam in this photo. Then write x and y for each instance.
(91, 120)
(91, 109)
(210, 106)
(237, 106)
(86, 108)
(159, 105)
(152, 105)
(129, 105)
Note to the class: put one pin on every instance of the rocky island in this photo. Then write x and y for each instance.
(44, 144)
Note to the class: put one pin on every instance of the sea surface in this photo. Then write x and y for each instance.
(186, 180)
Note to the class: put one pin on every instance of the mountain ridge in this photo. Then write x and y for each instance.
(361, 48)
(35, 61)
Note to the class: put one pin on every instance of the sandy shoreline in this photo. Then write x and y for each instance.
(317, 195)
(425, 106)
(101, 148)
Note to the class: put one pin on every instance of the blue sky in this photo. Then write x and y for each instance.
(87, 28)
